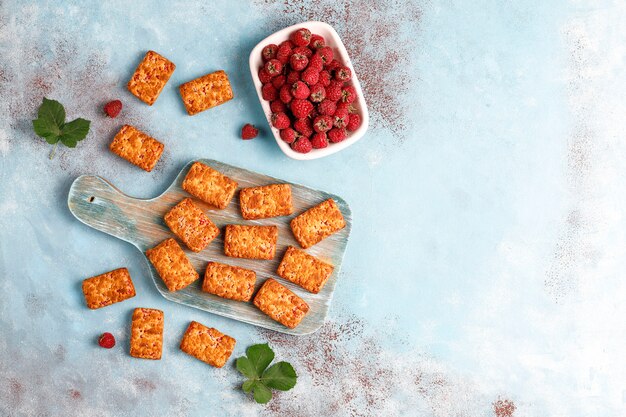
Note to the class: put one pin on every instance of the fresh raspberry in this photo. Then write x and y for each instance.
(302, 145)
(303, 50)
(303, 126)
(280, 121)
(343, 73)
(269, 52)
(341, 117)
(113, 108)
(326, 52)
(348, 94)
(318, 93)
(354, 122)
(283, 53)
(269, 92)
(346, 106)
(333, 65)
(333, 91)
(249, 132)
(288, 43)
(292, 77)
(298, 62)
(300, 90)
(317, 41)
(310, 76)
(288, 135)
(319, 140)
(327, 107)
(337, 134)
(278, 81)
(323, 123)
(264, 77)
(273, 67)
(285, 94)
(107, 340)
(301, 37)
(325, 78)
(301, 108)
(316, 62)
(277, 106)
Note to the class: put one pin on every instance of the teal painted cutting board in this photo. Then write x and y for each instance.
(97, 203)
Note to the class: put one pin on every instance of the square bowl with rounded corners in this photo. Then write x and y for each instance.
(332, 39)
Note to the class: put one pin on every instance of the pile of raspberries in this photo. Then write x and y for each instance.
(308, 91)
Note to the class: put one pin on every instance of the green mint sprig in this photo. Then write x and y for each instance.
(261, 379)
(50, 125)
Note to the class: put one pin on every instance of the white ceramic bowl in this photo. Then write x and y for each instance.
(332, 40)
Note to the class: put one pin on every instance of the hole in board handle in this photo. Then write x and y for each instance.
(91, 199)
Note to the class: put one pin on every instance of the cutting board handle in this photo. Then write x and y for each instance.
(97, 203)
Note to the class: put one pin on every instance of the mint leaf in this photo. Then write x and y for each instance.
(262, 394)
(52, 111)
(74, 131)
(47, 130)
(248, 385)
(262, 379)
(260, 356)
(246, 368)
(280, 376)
(50, 125)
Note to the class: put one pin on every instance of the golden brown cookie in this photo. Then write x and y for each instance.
(207, 344)
(146, 333)
(150, 77)
(281, 304)
(109, 288)
(317, 223)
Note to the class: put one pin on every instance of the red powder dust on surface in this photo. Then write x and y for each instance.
(381, 54)
(503, 408)
(144, 384)
(346, 370)
(75, 394)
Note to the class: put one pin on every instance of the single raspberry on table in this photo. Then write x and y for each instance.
(113, 108)
(285, 94)
(302, 145)
(280, 120)
(277, 106)
(249, 132)
(325, 78)
(326, 52)
(323, 123)
(264, 77)
(333, 91)
(310, 76)
(354, 122)
(273, 67)
(341, 117)
(319, 140)
(316, 62)
(269, 52)
(278, 81)
(343, 73)
(293, 76)
(337, 134)
(318, 93)
(300, 90)
(107, 340)
(269, 92)
(303, 50)
(283, 53)
(301, 37)
(288, 135)
(298, 62)
(348, 94)
(301, 108)
(327, 107)
(303, 126)
(317, 41)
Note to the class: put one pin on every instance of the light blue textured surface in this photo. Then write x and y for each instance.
(485, 265)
